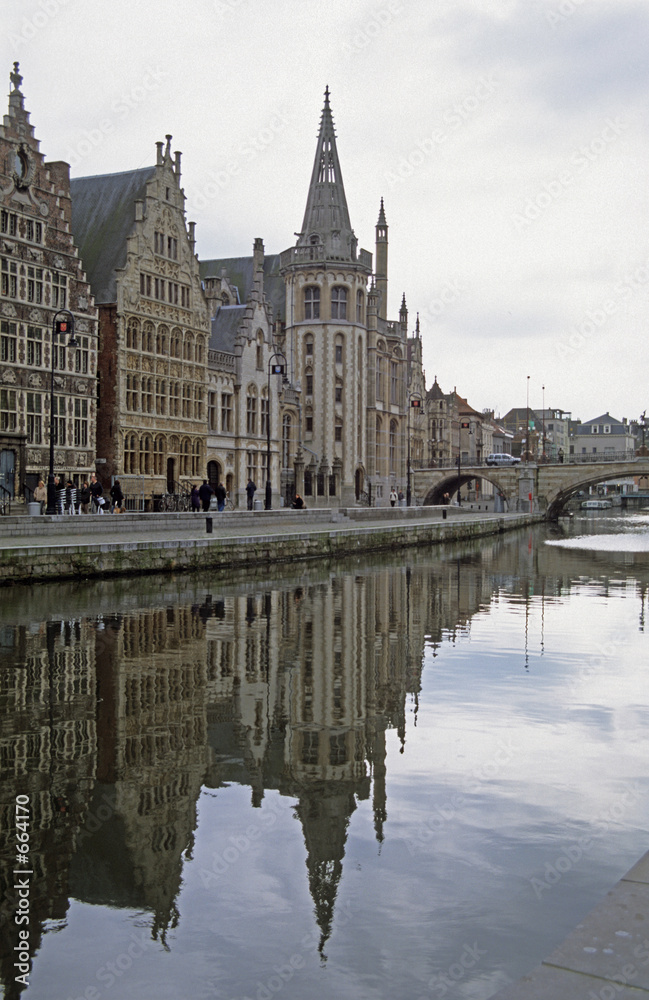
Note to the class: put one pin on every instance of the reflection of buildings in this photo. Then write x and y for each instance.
(48, 745)
(118, 721)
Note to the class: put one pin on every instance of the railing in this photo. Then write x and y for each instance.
(599, 458)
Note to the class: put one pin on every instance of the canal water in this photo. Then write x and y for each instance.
(389, 778)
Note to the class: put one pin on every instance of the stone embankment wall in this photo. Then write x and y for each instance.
(66, 547)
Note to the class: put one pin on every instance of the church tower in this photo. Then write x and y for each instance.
(326, 278)
(382, 262)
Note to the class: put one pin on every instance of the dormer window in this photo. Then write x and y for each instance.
(312, 302)
(314, 239)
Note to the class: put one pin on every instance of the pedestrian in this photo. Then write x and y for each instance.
(250, 490)
(393, 497)
(561, 454)
(40, 495)
(70, 497)
(83, 497)
(59, 486)
(298, 503)
(446, 498)
(97, 495)
(401, 496)
(219, 490)
(205, 493)
(117, 497)
(195, 499)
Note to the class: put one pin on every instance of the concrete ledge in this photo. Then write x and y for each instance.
(607, 954)
(253, 543)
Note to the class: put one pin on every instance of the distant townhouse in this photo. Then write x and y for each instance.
(138, 251)
(41, 274)
(604, 435)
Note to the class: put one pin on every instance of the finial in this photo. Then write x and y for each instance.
(417, 326)
(168, 149)
(16, 78)
(327, 94)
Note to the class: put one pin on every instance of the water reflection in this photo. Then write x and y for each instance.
(116, 724)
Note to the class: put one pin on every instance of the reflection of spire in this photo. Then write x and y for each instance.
(379, 753)
(324, 812)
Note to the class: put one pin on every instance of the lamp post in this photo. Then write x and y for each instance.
(414, 400)
(274, 368)
(62, 325)
(527, 432)
(543, 419)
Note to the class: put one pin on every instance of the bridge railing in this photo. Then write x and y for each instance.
(575, 459)
(603, 456)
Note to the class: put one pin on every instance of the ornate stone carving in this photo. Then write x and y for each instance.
(8, 376)
(8, 309)
(34, 380)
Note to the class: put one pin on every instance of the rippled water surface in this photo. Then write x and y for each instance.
(391, 778)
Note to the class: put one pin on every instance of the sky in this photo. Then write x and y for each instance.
(509, 140)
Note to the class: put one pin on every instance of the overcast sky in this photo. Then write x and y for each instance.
(508, 139)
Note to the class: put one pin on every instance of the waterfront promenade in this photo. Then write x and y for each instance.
(82, 546)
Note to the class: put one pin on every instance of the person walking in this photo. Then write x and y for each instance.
(393, 497)
(219, 490)
(117, 497)
(97, 495)
(83, 497)
(70, 497)
(195, 499)
(40, 495)
(59, 486)
(205, 493)
(250, 490)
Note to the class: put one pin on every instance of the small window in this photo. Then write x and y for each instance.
(338, 302)
(308, 348)
(312, 302)
(339, 354)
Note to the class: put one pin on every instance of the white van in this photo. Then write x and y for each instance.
(502, 459)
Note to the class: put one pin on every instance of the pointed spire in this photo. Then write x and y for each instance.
(417, 330)
(381, 220)
(326, 218)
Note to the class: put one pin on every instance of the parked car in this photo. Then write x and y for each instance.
(502, 459)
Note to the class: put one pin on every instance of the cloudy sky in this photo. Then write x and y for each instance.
(508, 139)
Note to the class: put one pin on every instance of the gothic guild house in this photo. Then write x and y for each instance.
(153, 326)
(46, 387)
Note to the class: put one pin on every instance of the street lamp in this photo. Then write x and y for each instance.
(274, 368)
(414, 400)
(62, 326)
(527, 432)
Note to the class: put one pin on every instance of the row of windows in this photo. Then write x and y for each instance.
(10, 225)
(69, 427)
(145, 337)
(164, 290)
(145, 394)
(165, 246)
(74, 359)
(40, 285)
(146, 455)
(338, 304)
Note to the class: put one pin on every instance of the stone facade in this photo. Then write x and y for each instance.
(41, 274)
(154, 328)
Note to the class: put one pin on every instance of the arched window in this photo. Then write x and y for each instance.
(161, 396)
(260, 350)
(147, 337)
(308, 345)
(133, 334)
(339, 350)
(312, 302)
(185, 457)
(338, 302)
(263, 413)
(130, 445)
(197, 461)
(251, 410)
(393, 446)
(338, 430)
(158, 455)
(187, 400)
(200, 347)
(287, 426)
(174, 399)
(176, 342)
(145, 455)
(161, 340)
(380, 382)
(188, 347)
(360, 306)
(378, 457)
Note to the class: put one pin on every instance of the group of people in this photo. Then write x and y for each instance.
(394, 496)
(201, 496)
(84, 499)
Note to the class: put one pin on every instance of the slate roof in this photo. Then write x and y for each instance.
(103, 216)
(224, 328)
(240, 272)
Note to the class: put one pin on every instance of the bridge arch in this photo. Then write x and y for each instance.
(450, 484)
(557, 502)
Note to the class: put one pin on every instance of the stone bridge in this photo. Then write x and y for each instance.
(551, 484)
